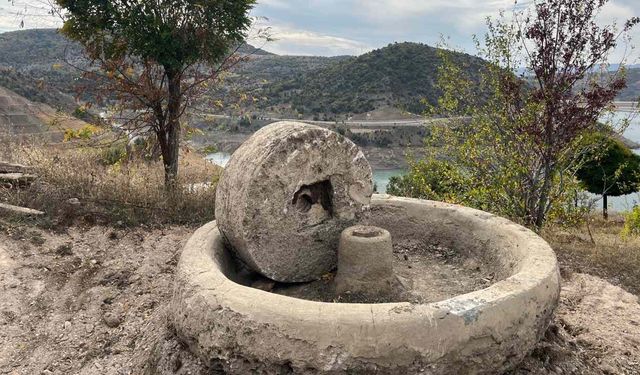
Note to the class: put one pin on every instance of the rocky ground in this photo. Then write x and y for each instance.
(91, 300)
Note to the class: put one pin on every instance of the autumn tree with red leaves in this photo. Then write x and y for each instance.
(546, 86)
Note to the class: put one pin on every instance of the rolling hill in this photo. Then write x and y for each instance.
(393, 79)
(399, 75)
(632, 91)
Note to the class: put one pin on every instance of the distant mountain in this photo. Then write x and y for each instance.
(37, 64)
(35, 48)
(248, 49)
(399, 75)
(31, 48)
(632, 91)
(393, 79)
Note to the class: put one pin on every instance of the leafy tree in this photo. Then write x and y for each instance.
(516, 145)
(611, 169)
(431, 179)
(155, 56)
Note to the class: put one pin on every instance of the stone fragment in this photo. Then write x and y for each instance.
(285, 196)
(112, 319)
(16, 210)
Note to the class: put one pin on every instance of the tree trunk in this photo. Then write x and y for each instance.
(605, 208)
(543, 200)
(171, 145)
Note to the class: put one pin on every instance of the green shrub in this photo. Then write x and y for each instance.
(632, 223)
(431, 179)
(210, 149)
(114, 154)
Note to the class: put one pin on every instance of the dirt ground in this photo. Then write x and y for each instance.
(424, 274)
(92, 301)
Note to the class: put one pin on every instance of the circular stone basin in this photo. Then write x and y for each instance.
(240, 329)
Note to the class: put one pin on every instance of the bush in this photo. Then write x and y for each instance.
(210, 149)
(632, 223)
(114, 154)
(442, 180)
(431, 179)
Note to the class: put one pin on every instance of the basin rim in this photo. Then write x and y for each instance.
(513, 312)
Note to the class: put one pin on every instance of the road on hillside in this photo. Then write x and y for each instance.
(372, 124)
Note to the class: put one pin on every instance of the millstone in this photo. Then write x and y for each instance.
(286, 195)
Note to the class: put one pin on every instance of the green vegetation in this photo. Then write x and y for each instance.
(611, 169)
(518, 150)
(431, 179)
(399, 75)
(210, 149)
(150, 54)
(632, 223)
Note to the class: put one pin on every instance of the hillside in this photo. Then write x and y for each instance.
(20, 117)
(390, 80)
(399, 75)
(37, 63)
(35, 48)
(26, 49)
(632, 91)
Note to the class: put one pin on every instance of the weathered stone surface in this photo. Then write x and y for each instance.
(245, 330)
(365, 256)
(22, 211)
(286, 195)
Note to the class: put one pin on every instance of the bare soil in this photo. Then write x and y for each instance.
(424, 273)
(92, 300)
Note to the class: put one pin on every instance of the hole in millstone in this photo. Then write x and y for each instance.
(366, 232)
(304, 203)
(317, 193)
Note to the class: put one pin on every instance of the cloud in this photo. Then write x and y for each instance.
(463, 14)
(29, 13)
(292, 41)
(283, 4)
(336, 27)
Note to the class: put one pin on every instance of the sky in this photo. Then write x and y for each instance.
(353, 27)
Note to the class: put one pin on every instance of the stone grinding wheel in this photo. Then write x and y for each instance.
(286, 195)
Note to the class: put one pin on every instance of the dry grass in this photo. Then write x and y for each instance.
(609, 256)
(130, 193)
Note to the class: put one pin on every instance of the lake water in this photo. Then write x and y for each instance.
(219, 158)
(381, 177)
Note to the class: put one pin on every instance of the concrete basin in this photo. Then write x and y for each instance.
(241, 330)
